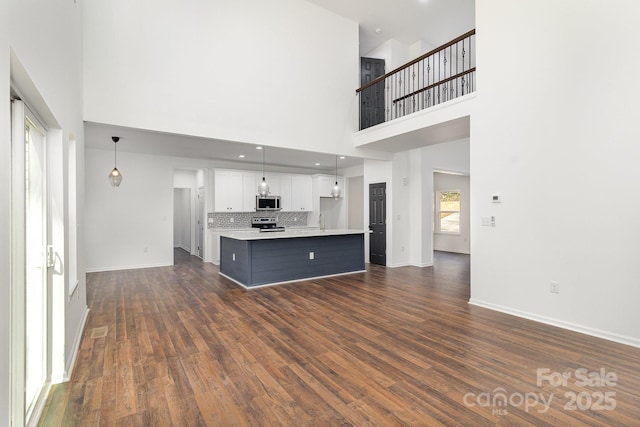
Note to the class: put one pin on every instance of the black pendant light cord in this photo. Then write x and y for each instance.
(115, 140)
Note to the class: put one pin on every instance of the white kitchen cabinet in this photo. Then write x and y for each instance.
(301, 186)
(215, 247)
(228, 191)
(285, 190)
(250, 183)
(326, 183)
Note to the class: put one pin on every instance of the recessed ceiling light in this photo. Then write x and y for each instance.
(241, 156)
(342, 157)
(258, 148)
(317, 164)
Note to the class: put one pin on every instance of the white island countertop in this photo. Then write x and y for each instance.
(287, 234)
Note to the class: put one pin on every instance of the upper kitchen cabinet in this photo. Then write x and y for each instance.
(325, 184)
(301, 188)
(250, 181)
(285, 192)
(228, 191)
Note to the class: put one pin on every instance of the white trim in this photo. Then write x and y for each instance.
(399, 264)
(41, 403)
(17, 272)
(559, 323)
(126, 267)
(71, 361)
(73, 290)
(290, 281)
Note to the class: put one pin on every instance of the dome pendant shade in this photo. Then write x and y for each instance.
(263, 188)
(115, 177)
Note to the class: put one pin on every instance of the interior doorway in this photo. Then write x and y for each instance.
(377, 223)
(182, 218)
(452, 219)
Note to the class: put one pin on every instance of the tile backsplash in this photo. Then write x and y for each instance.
(243, 219)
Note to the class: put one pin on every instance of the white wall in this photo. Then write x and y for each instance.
(561, 145)
(394, 53)
(129, 226)
(355, 207)
(45, 38)
(459, 243)
(401, 218)
(273, 73)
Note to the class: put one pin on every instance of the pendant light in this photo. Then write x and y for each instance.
(336, 192)
(263, 187)
(115, 177)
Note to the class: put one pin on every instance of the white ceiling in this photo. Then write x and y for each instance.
(99, 135)
(432, 21)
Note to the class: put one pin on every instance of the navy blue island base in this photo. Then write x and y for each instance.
(254, 259)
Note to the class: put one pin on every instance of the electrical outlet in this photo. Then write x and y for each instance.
(231, 219)
(233, 257)
(312, 255)
(555, 287)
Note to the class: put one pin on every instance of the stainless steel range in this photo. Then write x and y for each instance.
(266, 224)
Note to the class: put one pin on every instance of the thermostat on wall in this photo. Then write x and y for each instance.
(496, 198)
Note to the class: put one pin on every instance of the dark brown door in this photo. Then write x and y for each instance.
(371, 98)
(377, 223)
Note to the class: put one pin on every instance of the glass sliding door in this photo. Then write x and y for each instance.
(36, 264)
(30, 299)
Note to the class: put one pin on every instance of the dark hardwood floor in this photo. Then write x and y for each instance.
(187, 347)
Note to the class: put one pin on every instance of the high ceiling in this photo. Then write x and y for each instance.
(432, 21)
(408, 21)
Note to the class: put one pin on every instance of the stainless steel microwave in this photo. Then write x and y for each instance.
(268, 203)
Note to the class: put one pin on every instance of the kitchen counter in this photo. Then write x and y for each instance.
(252, 258)
(287, 233)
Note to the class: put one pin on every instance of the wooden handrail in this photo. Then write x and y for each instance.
(431, 86)
(418, 59)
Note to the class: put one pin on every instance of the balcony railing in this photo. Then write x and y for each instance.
(440, 75)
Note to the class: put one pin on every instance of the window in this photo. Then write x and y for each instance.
(447, 214)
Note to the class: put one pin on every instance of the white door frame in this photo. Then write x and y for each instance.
(18, 271)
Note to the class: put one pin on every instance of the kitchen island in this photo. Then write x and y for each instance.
(254, 258)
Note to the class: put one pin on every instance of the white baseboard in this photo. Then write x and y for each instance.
(399, 264)
(560, 323)
(290, 281)
(406, 264)
(125, 267)
(71, 360)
